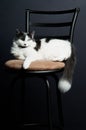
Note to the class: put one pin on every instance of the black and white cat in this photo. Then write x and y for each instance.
(25, 47)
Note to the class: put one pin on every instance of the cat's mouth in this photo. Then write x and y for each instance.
(22, 46)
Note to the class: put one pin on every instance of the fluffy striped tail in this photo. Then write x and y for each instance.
(65, 81)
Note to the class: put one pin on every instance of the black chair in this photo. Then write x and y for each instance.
(30, 25)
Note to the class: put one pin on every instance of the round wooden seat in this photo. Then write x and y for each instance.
(36, 65)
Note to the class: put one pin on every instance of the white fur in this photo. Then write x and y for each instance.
(64, 85)
(22, 53)
(54, 50)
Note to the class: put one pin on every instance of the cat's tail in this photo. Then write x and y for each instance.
(65, 81)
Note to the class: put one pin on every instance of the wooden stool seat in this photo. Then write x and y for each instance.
(36, 65)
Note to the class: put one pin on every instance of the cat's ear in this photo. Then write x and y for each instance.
(17, 31)
(32, 34)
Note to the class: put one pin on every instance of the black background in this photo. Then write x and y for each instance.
(12, 16)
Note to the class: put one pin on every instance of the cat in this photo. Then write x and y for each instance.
(27, 48)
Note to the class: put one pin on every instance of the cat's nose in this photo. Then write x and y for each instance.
(24, 44)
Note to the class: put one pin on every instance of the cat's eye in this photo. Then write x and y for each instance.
(22, 38)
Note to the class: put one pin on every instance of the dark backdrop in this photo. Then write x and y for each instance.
(12, 16)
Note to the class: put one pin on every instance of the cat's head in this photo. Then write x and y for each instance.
(23, 39)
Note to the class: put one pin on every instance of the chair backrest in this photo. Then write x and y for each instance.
(56, 20)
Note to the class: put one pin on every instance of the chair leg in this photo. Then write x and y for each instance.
(49, 103)
(22, 99)
(59, 101)
(11, 102)
(12, 85)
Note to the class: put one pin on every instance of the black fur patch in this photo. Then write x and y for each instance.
(48, 39)
(38, 44)
(20, 35)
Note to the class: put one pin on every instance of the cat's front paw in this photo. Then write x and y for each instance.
(26, 65)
